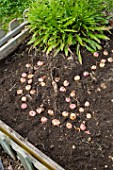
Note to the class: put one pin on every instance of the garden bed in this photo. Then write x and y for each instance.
(72, 148)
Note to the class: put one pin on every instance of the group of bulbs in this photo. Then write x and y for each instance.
(28, 79)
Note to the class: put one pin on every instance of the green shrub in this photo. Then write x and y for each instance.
(58, 24)
(10, 9)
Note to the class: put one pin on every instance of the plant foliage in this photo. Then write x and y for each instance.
(10, 9)
(58, 24)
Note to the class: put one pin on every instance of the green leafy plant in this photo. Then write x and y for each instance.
(10, 9)
(58, 24)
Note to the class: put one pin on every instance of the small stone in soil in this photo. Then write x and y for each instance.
(103, 86)
(89, 139)
(73, 147)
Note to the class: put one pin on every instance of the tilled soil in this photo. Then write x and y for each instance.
(74, 148)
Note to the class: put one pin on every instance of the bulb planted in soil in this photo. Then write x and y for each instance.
(86, 73)
(43, 120)
(50, 112)
(23, 106)
(110, 59)
(82, 127)
(57, 79)
(39, 110)
(62, 89)
(101, 65)
(88, 116)
(72, 106)
(73, 116)
(67, 99)
(93, 67)
(28, 87)
(28, 65)
(86, 104)
(96, 54)
(40, 63)
(30, 81)
(66, 83)
(32, 113)
(30, 76)
(24, 75)
(20, 91)
(73, 94)
(24, 99)
(105, 52)
(65, 114)
(22, 80)
(69, 125)
(103, 61)
(81, 109)
(77, 78)
(55, 122)
(32, 92)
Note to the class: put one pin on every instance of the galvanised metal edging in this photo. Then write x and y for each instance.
(12, 33)
(13, 43)
(25, 150)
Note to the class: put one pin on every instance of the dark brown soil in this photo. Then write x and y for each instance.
(73, 149)
(8, 163)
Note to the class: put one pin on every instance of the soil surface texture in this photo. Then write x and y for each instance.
(8, 163)
(65, 109)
